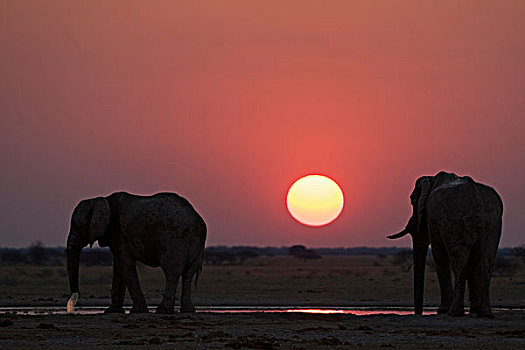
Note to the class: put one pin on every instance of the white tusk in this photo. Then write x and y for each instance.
(71, 303)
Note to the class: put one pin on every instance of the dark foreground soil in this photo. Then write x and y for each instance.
(261, 331)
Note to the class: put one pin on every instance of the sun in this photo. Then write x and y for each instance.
(315, 200)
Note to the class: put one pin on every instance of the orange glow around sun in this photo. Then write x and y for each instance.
(315, 200)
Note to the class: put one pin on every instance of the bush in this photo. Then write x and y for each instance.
(13, 256)
(246, 254)
(308, 254)
(296, 250)
(219, 257)
(37, 253)
(403, 258)
(96, 257)
(505, 266)
(519, 252)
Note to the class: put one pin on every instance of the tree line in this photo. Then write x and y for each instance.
(38, 254)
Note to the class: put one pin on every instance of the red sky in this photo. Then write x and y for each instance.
(228, 102)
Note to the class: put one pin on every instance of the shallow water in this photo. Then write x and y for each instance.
(359, 311)
(356, 310)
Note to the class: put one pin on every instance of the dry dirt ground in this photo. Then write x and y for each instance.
(280, 280)
(261, 331)
(331, 281)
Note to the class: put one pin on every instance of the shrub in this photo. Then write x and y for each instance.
(519, 252)
(505, 266)
(403, 259)
(219, 257)
(246, 254)
(13, 256)
(296, 250)
(37, 253)
(96, 257)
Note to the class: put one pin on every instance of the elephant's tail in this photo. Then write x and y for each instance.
(203, 233)
(199, 267)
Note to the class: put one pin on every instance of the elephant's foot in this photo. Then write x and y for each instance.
(457, 312)
(187, 308)
(163, 309)
(443, 309)
(114, 310)
(142, 309)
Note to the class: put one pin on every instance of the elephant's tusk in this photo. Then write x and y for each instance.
(398, 235)
(71, 303)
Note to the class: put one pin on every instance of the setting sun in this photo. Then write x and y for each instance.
(315, 200)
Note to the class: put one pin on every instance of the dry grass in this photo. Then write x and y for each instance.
(333, 280)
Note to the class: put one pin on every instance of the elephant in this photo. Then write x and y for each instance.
(461, 219)
(159, 230)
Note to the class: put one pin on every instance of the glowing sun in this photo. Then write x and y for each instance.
(315, 200)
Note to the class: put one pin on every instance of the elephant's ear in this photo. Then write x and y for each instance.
(99, 220)
(425, 185)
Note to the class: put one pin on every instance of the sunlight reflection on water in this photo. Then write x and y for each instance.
(358, 311)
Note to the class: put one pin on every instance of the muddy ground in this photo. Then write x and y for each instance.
(261, 331)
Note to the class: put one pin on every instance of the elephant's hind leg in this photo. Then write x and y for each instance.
(474, 282)
(459, 265)
(484, 309)
(186, 303)
(443, 272)
(172, 273)
(484, 274)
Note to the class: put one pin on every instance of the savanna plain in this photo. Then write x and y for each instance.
(330, 282)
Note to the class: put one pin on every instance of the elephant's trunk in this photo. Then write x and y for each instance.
(73, 259)
(420, 259)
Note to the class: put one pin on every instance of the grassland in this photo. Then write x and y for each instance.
(280, 280)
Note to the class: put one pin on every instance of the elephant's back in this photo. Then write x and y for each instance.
(462, 196)
(491, 199)
(162, 212)
(468, 207)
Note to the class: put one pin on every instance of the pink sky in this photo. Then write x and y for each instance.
(228, 102)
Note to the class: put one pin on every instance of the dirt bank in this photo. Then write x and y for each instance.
(261, 331)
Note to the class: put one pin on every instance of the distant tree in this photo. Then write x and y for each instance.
(208, 256)
(13, 256)
(519, 252)
(296, 250)
(226, 256)
(37, 253)
(247, 254)
(56, 256)
(308, 254)
(219, 257)
(505, 266)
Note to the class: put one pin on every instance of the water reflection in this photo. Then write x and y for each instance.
(358, 311)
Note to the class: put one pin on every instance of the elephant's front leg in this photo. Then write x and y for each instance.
(186, 303)
(128, 269)
(118, 291)
(172, 274)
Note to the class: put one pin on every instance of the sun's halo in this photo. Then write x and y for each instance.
(315, 200)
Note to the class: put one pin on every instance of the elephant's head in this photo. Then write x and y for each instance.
(417, 228)
(88, 223)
